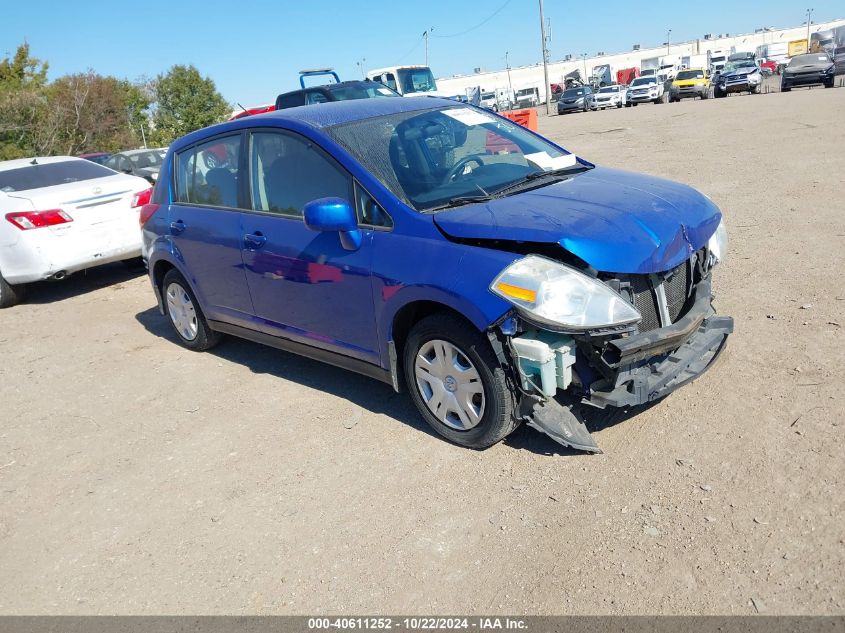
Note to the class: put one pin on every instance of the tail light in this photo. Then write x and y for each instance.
(26, 220)
(142, 197)
(147, 211)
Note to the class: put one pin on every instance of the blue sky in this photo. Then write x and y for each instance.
(253, 50)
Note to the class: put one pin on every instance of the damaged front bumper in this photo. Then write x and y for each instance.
(633, 370)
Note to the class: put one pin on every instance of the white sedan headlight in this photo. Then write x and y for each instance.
(718, 243)
(548, 292)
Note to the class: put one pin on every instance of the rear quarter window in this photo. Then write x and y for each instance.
(51, 174)
(207, 174)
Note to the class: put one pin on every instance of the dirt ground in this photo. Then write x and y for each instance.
(137, 477)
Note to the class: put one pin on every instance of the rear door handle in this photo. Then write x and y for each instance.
(178, 226)
(255, 240)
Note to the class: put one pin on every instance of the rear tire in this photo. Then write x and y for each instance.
(185, 314)
(450, 368)
(10, 295)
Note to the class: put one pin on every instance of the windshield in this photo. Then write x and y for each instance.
(368, 90)
(51, 174)
(146, 159)
(609, 89)
(720, 58)
(648, 72)
(416, 80)
(642, 81)
(805, 60)
(690, 74)
(738, 65)
(428, 158)
(574, 92)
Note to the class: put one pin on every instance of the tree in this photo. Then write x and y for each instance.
(185, 101)
(24, 129)
(96, 113)
(22, 71)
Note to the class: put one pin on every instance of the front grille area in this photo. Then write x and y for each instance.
(642, 291)
(676, 287)
(645, 302)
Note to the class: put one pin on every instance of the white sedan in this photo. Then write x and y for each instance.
(59, 215)
(610, 97)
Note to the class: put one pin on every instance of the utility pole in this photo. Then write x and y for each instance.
(809, 15)
(360, 64)
(584, 57)
(668, 41)
(545, 60)
(510, 85)
(425, 36)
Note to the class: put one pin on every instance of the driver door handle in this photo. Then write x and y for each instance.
(254, 240)
(178, 226)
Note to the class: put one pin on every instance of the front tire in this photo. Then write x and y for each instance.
(185, 314)
(456, 382)
(10, 295)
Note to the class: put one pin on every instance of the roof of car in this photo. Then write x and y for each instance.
(25, 162)
(323, 115)
(134, 152)
(351, 82)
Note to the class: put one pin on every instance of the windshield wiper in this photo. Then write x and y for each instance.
(557, 174)
(458, 201)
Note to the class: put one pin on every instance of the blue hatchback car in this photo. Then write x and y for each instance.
(444, 249)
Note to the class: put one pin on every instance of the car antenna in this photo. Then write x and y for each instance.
(241, 107)
(34, 161)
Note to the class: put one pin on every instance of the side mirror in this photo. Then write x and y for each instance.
(334, 214)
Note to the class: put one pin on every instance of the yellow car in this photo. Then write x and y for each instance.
(692, 82)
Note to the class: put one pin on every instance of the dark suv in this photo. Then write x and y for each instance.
(343, 91)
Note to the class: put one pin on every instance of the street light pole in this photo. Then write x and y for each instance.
(584, 57)
(809, 16)
(668, 36)
(545, 60)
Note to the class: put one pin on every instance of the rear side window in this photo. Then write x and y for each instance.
(50, 175)
(290, 100)
(207, 174)
(315, 97)
(288, 171)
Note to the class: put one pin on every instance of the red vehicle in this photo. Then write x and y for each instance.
(771, 65)
(250, 111)
(627, 75)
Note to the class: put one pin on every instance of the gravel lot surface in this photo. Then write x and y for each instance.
(137, 477)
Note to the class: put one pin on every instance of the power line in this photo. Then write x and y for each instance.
(480, 24)
(415, 47)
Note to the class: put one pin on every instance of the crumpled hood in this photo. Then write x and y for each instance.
(614, 220)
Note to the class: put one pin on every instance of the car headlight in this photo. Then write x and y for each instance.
(718, 243)
(549, 292)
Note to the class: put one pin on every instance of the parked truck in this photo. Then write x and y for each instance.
(717, 58)
(669, 67)
(627, 75)
(602, 76)
(410, 81)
